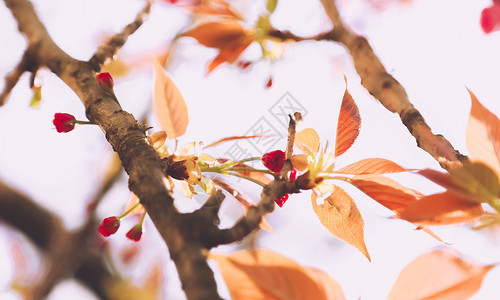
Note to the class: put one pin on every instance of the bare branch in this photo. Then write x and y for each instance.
(389, 91)
(26, 64)
(127, 137)
(109, 49)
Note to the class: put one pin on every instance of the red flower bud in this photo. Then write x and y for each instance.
(64, 122)
(135, 233)
(244, 64)
(274, 160)
(293, 174)
(105, 80)
(269, 82)
(490, 18)
(109, 226)
(282, 200)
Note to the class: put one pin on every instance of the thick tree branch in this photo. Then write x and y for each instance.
(128, 139)
(41, 227)
(388, 90)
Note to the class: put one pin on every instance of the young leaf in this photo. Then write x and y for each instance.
(264, 274)
(232, 138)
(372, 166)
(473, 181)
(229, 37)
(168, 104)
(483, 135)
(440, 275)
(441, 209)
(385, 191)
(307, 140)
(348, 124)
(340, 215)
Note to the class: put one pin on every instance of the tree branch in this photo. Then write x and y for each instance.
(41, 226)
(109, 49)
(389, 91)
(128, 139)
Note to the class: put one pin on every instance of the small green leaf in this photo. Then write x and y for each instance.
(37, 96)
(271, 5)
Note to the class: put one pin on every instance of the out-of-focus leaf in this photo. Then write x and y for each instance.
(300, 161)
(483, 135)
(439, 275)
(262, 177)
(271, 5)
(37, 96)
(385, 191)
(215, 8)
(474, 181)
(168, 104)
(232, 138)
(264, 274)
(486, 220)
(348, 124)
(307, 140)
(133, 201)
(372, 166)
(441, 209)
(228, 36)
(340, 215)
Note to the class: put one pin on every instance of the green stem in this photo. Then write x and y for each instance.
(128, 211)
(251, 170)
(84, 122)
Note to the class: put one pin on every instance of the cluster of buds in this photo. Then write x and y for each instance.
(274, 161)
(111, 225)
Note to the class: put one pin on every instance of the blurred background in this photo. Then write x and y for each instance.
(435, 49)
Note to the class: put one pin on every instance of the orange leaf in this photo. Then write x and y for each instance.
(217, 34)
(348, 124)
(262, 177)
(307, 140)
(229, 37)
(474, 181)
(264, 274)
(439, 275)
(232, 138)
(483, 135)
(168, 104)
(372, 166)
(229, 55)
(385, 191)
(441, 209)
(340, 215)
(133, 201)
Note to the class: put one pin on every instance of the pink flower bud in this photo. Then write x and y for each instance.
(135, 233)
(64, 122)
(109, 226)
(105, 80)
(269, 83)
(274, 160)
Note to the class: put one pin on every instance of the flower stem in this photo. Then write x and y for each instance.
(128, 211)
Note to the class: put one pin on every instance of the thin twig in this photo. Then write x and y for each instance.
(109, 49)
(388, 90)
(26, 64)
